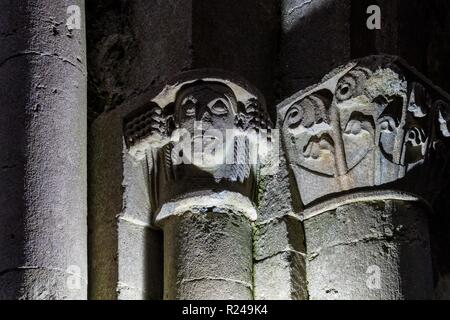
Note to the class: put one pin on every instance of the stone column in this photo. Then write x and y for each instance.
(373, 250)
(199, 139)
(364, 148)
(43, 236)
(208, 253)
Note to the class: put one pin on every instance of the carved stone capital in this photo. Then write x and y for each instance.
(374, 123)
(198, 136)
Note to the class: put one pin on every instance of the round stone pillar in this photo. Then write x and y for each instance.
(376, 250)
(208, 256)
(43, 129)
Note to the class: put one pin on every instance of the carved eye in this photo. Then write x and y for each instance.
(294, 117)
(219, 108)
(387, 124)
(189, 108)
(345, 89)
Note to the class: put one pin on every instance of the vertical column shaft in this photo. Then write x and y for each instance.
(370, 250)
(43, 160)
(208, 256)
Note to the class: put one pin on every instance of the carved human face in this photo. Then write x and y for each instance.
(214, 105)
(339, 127)
(355, 113)
(207, 111)
(308, 133)
(361, 127)
(377, 111)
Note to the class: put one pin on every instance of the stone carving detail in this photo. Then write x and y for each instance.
(146, 122)
(374, 122)
(198, 135)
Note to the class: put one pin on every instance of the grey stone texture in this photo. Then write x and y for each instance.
(279, 259)
(43, 234)
(139, 262)
(374, 122)
(348, 246)
(208, 256)
(134, 48)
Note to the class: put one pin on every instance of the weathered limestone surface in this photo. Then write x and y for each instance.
(279, 270)
(355, 246)
(366, 149)
(371, 123)
(279, 254)
(208, 256)
(43, 234)
(140, 263)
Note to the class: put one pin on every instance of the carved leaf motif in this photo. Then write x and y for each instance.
(307, 125)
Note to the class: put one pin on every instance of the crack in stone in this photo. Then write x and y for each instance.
(42, 54)
(135, 222)
(302, 254)
(278, 219)
(313, 255)
(248, 285)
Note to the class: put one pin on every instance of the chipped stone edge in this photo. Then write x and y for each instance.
(225, 200)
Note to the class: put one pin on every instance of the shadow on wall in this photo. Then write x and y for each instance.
(240, 37)
(315, 39)
(16, 77)
(415, 30)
